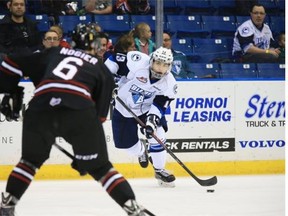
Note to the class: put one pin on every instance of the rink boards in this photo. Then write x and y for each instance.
(215, 128)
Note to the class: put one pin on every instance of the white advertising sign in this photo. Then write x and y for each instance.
(208, 121)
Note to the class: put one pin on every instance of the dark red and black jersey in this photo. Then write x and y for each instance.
(62, 77)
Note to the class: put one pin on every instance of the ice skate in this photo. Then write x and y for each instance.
(7, 206)
(133, 209)
(143, 159)
(165, 179)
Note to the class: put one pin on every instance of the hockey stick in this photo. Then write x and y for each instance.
(148, 212)
(64, 151)
(202, 182)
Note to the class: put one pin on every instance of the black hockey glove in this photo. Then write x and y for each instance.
(152, 122)
(12, 104)
(75, 166)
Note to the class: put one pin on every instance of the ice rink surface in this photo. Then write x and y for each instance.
(261, 195)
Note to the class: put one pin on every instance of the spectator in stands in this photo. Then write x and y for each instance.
(98, 6)
(180, 68)
(51, 39)
(253, 38)
(281, 44)
(59, 30)
(18, 34)
(243, 6)
(142, 35)
(131, 7)
(124, 44)
(100, 45)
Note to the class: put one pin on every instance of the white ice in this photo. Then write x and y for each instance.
(260, 195)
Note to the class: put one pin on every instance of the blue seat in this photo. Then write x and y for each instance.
(42, 21)
(182, 44)
(186, 25)
(195, 7)
(205, 70)
(149, 19)
(277, 24)
(281, 6)
(169, 7)
(241, 19)
(212, 50)
(69, 22)
(270, 6)
(113, 24)
(219, 26)
(224, 7)
(238, 71)
(271, 70)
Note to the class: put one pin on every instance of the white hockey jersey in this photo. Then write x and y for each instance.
(249, 34)
(138, 92)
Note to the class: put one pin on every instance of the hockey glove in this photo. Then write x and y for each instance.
(152, 122)
(75, 166)
(12, 104)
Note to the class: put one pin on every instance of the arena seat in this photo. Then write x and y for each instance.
(205, 70)
(69, 22)
(238, 70)
(113, 24)
(224, 7)
(186, 25)
(195, 7)
(169, 7)
(271, 70)
(212, 50)
(219, 26)
(42, 21)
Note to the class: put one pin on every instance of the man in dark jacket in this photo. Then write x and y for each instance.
(17, 33)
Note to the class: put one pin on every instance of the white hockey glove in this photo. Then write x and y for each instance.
(12, 104)
(152, 121)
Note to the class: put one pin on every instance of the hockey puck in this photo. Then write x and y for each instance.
(210, 191)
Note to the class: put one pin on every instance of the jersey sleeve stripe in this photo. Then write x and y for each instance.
(11, 68)
(62, 86)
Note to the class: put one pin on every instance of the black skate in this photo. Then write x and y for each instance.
(165, 179)
(143, 159)
(7, 206)
(133, 209)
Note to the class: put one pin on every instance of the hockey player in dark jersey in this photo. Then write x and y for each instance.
(71, 100)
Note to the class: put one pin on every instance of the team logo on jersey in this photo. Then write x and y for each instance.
(176, 67)
(55, 101)
(142, 79)
(135, 57)
(245, 30)
(139, 94)
(120, 57)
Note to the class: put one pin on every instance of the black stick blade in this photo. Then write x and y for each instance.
(208, 182)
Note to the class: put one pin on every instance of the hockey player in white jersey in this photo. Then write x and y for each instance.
(147, 87)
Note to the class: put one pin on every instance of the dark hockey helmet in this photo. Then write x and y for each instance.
(83, 36)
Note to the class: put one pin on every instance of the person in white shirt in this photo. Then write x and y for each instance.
(148, 89)
(253, 39)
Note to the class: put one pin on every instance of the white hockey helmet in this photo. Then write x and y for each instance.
(162, 55)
